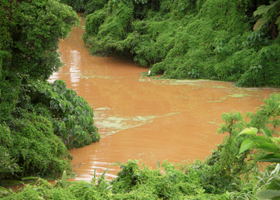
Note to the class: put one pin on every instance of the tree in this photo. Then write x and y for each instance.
(32, 30)
(31, 140)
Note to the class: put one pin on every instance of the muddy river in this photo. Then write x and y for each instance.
(144, 118)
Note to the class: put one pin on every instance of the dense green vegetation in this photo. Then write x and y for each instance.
(231, 172)
(38, 120)
(186, 39)
(86, 6)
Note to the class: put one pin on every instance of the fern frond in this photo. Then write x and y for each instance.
(259, 24)
(263, 9)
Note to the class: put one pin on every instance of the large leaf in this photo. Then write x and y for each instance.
(246, 144)
(269, 194)
(249, 131)
(274, 185)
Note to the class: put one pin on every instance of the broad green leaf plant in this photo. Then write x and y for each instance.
(264, 142)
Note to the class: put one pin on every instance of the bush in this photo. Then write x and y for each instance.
(186, 39)
(32, 148)
(35, 116)
(8, 164)
(70, 114)
(45, 118)
(146, 184)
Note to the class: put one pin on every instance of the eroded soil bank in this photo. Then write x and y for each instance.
(144, 118)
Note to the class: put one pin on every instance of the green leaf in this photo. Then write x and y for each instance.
(263, 9)
(249, 131)
(103, 174)
(4, 191)
(275, 140)
(259, 24)
(270, 158)
(64, 179)
(278, 22)
(30, 178)
(274, 184)
(266, 132)
(261, 139)
(269, 194)
(94, 177)
(246, 145)
(270, 147)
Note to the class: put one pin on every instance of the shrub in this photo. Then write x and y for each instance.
(33, 148)
(70, 114)
(186, 39)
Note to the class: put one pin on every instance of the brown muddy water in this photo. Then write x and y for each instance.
(143, 118)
